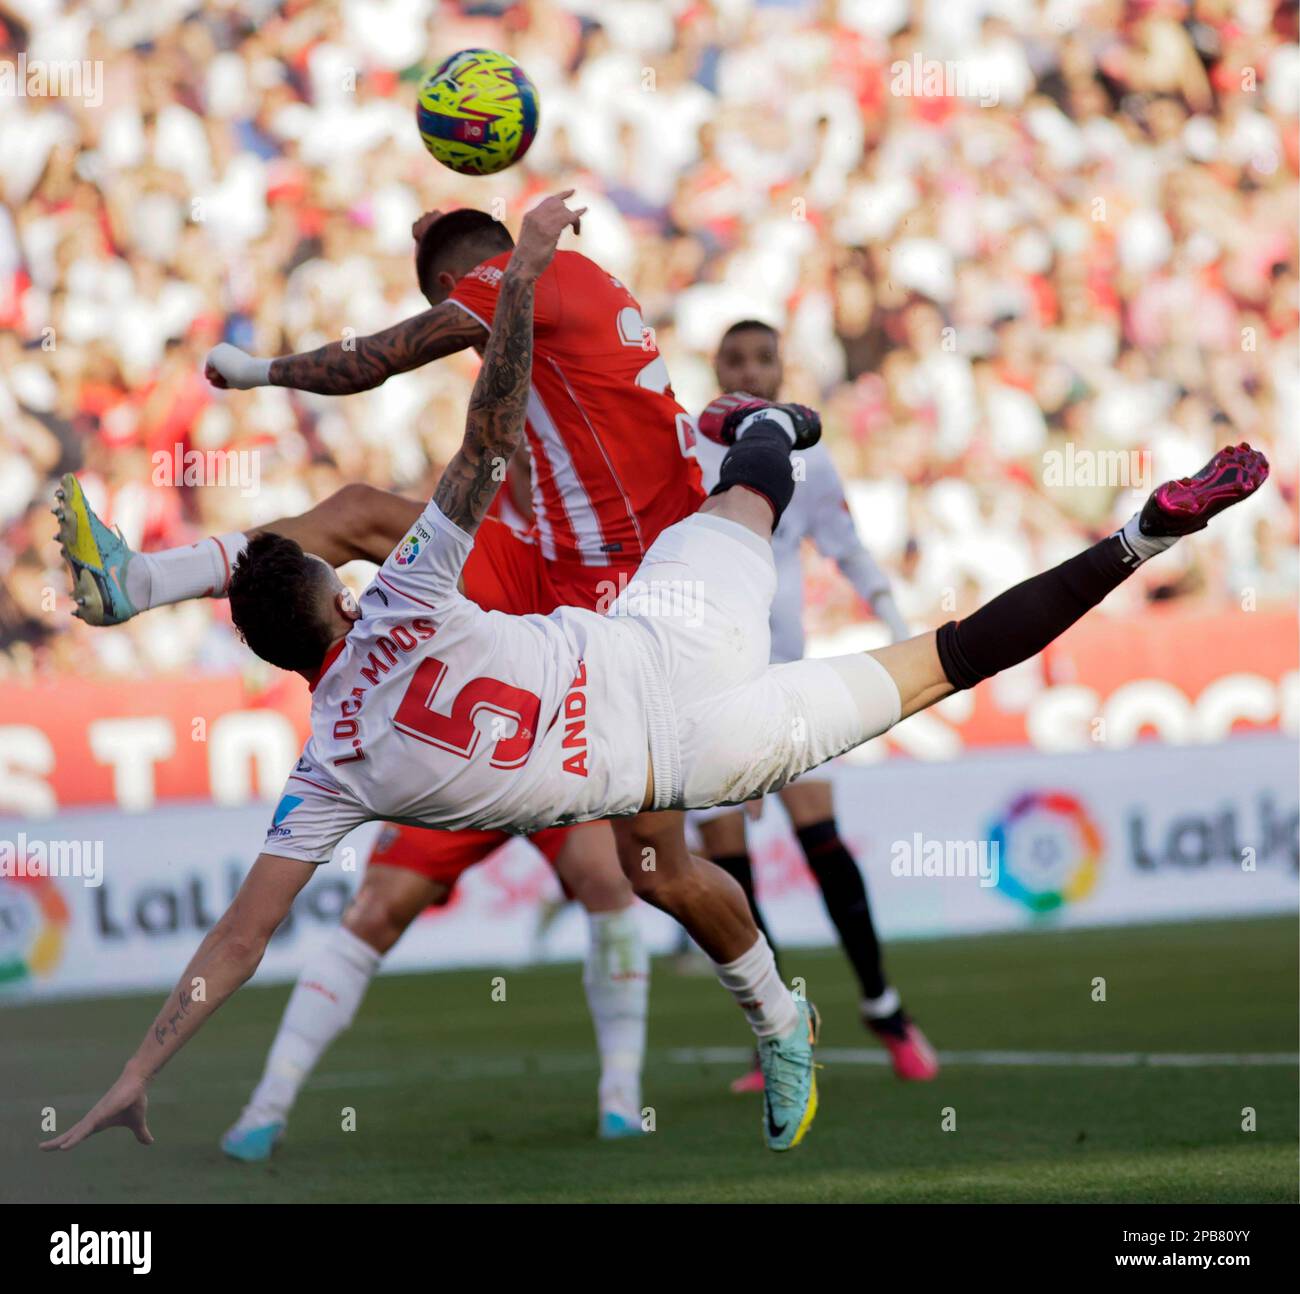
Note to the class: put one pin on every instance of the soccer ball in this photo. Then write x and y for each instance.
(477, 112)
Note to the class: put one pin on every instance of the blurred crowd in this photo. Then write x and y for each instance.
(1015, 247)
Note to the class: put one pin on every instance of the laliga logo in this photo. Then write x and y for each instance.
(1050, 849)
(33, 921)
(409, 550)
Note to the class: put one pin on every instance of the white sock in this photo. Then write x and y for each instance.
(322, 1005)
(617, 979)
(752, 980)
(878, 1008)
(778, 416)
(1143, 547)
(199, 570)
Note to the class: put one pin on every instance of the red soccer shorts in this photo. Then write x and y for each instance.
(442, 856)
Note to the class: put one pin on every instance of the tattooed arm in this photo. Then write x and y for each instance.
(496, 408)
(227, 957)
(366, 362)
(360, 364)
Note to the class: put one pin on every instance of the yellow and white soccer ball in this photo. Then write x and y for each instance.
(478, 112)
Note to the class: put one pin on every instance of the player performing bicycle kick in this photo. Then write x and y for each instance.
(607, 445)
(428, 709)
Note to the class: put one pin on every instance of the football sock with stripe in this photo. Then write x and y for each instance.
(199, 570)
(752, 979)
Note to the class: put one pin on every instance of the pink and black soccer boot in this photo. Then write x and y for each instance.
(1185, 506)
(910, 1053)
(722, 416)
(750, 1081)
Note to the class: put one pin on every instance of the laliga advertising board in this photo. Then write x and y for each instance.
(1031, 841)
(101, 901)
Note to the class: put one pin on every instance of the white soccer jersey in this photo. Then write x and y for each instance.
(435, 712)
(818, 511)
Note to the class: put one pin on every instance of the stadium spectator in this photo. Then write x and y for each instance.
(987, 240)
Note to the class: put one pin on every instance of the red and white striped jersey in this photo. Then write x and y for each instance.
(610, 445)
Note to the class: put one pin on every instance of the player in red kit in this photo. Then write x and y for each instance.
(610, 445)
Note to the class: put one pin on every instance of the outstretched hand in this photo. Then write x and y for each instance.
(541, 230)
(124, 1105)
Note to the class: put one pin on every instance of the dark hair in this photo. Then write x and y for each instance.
(461, 230)
(276, 603)
(749, 325)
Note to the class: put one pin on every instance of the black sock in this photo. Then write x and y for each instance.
(845, 896)
(1022, 621)
(760, 461)
(741, 870)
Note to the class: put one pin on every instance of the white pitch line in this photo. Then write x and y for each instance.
(444, 1069)
(1014, 1059)
(451, 1069)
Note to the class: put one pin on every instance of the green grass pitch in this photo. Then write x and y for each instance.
(457, 1097)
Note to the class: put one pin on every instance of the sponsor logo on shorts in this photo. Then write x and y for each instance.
(288, 803)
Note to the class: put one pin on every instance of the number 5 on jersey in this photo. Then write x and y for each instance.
(456, 730)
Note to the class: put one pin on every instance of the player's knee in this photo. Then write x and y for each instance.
(355, 506)
(355, 499)
(595, 879)
(601, 889)
(653, 855)
(639, 869)
(589, 867)
(375, 918)
(638, 856)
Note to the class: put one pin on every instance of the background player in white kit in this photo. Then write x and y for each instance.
(748, 360)
(550, 718)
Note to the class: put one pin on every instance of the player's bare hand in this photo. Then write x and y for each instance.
(541, 231)
(124, 1105)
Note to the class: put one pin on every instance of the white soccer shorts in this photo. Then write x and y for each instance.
(741, 727)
